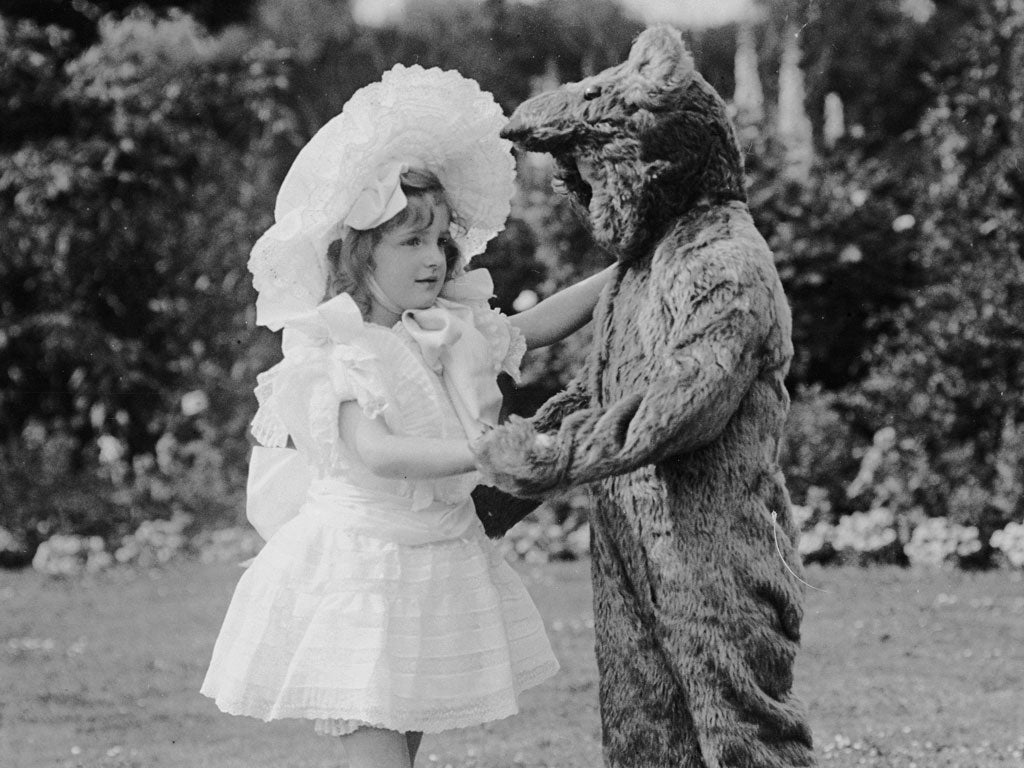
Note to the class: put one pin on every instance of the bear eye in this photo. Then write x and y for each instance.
(592, 92)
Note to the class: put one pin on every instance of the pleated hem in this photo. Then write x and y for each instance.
(348, 716)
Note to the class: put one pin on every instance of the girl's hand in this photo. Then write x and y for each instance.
(401, 457)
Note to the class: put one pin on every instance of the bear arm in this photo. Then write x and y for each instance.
(553, 412)
(520, 457)
(712, 363)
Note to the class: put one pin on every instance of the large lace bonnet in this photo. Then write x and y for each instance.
(427, 118)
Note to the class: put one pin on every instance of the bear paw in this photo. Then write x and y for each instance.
(519, 460)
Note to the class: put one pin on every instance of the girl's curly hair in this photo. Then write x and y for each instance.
(350, 258)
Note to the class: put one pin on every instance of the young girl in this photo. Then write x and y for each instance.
(381, 610)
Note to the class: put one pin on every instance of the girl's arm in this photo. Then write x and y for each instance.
(409, 458)
(563, 313)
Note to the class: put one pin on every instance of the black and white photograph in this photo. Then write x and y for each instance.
(511, 383)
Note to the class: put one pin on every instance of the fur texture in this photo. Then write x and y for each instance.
(676, 421)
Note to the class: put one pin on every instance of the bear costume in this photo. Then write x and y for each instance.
(676, 420)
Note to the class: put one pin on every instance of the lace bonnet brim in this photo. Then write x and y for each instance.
(427, 118)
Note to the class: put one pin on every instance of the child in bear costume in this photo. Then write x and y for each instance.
(676, 420)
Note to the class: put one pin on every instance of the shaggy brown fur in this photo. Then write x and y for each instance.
(677, 421)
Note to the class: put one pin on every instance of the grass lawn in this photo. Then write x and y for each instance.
(899, 668)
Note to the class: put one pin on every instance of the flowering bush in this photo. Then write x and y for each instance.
(802, 515)
(859, 538)
(815, 545)
(155, 542)
(936, 542)
(67, 555)
(819, 449)
(867, 537)
(895, 475)
(1010, 542)
(811, 520)
(7, 541)
(538, 542)
(228, 545)
(558, 529)
(203, 476)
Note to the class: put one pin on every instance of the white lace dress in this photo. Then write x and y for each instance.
(381, 602)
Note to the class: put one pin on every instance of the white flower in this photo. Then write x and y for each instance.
(903, 223)
(1010, 541)
(111, 449)
(525, 300)
(851, 254)
(936, 541)
(194, 402)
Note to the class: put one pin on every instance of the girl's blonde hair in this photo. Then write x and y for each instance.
(350, 258)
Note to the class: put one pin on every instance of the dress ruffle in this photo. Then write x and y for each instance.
(332, 356)
(328, 359)
(512, 363)
(348, 629)
(508, 345)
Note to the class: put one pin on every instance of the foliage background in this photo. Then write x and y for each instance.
(142, 145)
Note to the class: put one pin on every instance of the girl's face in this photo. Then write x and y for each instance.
(409, 261)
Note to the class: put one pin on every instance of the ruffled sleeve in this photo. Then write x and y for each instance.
(512, 363)
(327, 361)
(507, 343)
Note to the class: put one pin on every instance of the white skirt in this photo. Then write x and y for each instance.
(348, 630)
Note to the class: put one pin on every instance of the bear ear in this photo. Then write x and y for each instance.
(659, 55)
